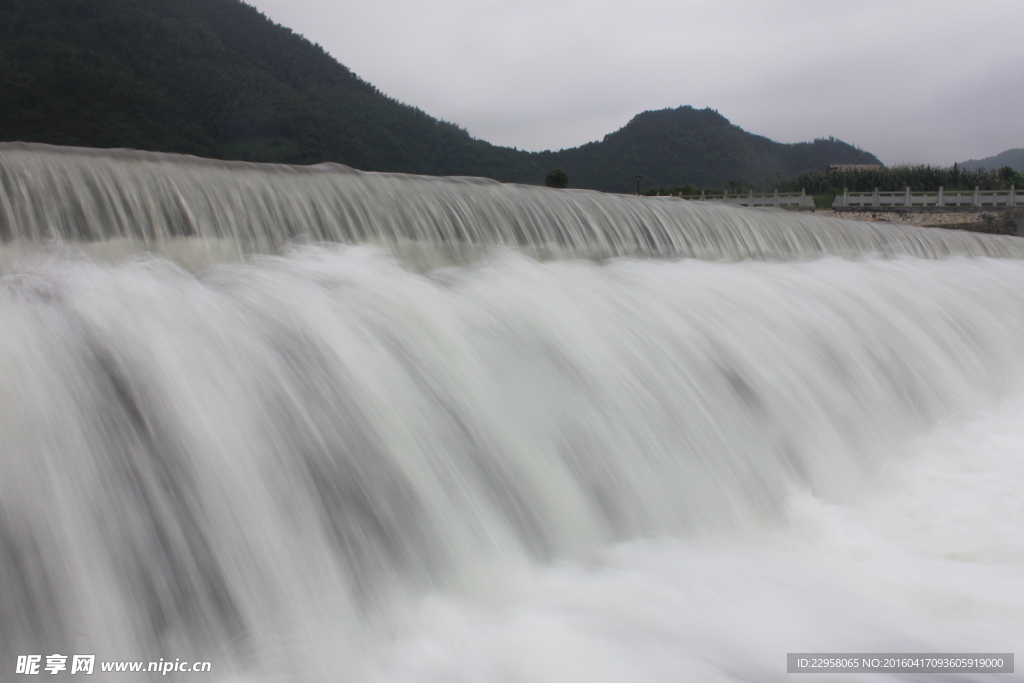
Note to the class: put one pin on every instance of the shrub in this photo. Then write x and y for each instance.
(557, 178)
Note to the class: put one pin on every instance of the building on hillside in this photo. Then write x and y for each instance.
(837, 168)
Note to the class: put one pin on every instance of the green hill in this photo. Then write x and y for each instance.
(213, 78)
(216, 78)
(698, 146)
(1014, 158)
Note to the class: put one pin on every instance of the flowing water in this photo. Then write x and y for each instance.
(341, 426)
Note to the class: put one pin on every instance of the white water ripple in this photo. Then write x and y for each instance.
(325, 466)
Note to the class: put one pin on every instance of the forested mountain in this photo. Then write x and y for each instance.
(1014, 158)
(216, 78)
(669, 145)
(212, 78)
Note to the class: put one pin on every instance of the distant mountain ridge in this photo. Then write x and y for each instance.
(216, 78)
(1014, 158)
(667, 145)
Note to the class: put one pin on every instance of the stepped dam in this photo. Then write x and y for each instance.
(319, 425)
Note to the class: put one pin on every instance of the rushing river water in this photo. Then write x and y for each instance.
(368, 427)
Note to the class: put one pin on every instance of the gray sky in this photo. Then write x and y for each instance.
(913, 81)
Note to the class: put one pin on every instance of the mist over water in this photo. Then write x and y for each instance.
(339, 464)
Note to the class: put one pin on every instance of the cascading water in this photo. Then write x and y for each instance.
(152, 201)
(326, 465)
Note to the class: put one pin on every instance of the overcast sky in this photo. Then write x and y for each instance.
(913, 81)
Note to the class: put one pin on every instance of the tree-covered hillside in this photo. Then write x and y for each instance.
(213, 78)
(216, 78)
(1014, 158)
(696, 146)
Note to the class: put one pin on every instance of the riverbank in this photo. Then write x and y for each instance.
(994, 222)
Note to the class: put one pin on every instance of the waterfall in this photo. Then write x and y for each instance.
(317, 463)
(151, 199)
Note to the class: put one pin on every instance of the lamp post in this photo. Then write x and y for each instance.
(638, 184)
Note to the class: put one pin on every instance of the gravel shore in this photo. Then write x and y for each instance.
(975, 221)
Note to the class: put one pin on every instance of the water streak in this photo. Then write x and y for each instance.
(328, 465)
(152, 200)
(266, 464)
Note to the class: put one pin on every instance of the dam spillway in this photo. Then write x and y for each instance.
(149, 199)
(685, 441)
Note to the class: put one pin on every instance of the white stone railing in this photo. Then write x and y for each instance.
(978, 199)
(785, 199)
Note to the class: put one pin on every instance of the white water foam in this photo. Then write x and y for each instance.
(155, 200)
(328, 467)
(930, 560)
